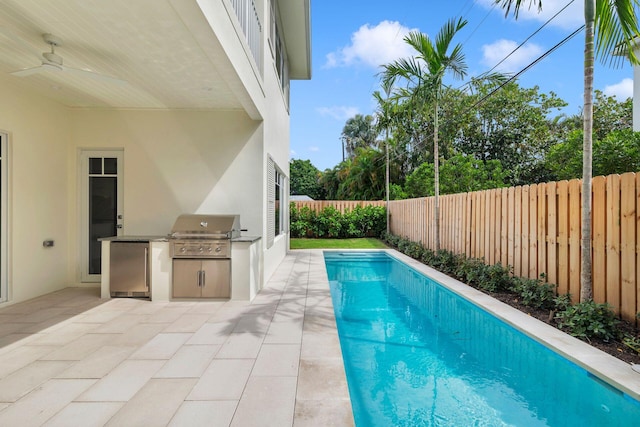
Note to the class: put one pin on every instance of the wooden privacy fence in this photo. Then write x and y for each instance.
(341, 205)
(536, 230)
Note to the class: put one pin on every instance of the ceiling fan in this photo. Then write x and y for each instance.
(51, 61)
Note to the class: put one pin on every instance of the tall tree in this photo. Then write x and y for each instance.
(359, 132)
(424, 74)
(511, 126)
(616, 25)
(305, 179)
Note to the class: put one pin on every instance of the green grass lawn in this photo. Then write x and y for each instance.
(364, 243)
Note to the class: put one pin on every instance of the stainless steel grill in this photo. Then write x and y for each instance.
(204, 236)
(201, 251)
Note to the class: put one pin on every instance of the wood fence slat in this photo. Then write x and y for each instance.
(480, 241)
(511, 194)
(542, 230)
(491, 255)
(628, 308)
(563, 237)
(533, 231)
(487, 225)
(598, 217)
(517, 233)
(503, 227)
(552, 233)
(613, 242)
(524, 239)
(575, 187)
(498, 229)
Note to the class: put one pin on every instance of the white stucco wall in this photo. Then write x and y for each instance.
(178, 162)
(38, 194)
(174, 162)
(276, 145)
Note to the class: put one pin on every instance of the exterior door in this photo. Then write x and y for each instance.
(101, 188)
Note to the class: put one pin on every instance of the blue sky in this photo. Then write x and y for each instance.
(352, 39)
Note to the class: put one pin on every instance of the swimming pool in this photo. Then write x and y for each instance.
(416, 354)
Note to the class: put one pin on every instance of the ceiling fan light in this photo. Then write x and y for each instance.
(52, 58)
(51, 66)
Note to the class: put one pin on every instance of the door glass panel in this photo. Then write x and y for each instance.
(102, 216)
(95, 165)
(110, 166)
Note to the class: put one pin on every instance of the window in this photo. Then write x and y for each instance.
(279, 53)
(276, 207)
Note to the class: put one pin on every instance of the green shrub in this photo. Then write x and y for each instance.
(535, 293)
(632, 342)
(471, 271)
(428, 257)
(367, 221)
(587, 320)
(414, 250)
(496, 278)
(302, 221)
(447, 262)
(562, 302)
(329, 223)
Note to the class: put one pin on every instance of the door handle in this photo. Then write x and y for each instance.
(204, 279)
(199, 278)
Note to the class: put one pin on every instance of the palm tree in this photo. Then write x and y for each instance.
(424, 73)
(384, 121)
(616, 25)
(359, 132)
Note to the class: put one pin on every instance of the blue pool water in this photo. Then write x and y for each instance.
(416, 354)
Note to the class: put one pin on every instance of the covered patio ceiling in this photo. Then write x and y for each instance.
(164, 53)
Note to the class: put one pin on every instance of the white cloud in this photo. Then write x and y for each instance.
(373, 46)
(571, 18)
(495, 52)
(314, 149)
(292, 154)
(339, 112)
(621, 90)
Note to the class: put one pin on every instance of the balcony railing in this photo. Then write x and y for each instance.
(250, 24)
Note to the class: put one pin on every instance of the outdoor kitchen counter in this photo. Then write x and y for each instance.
(135, 239)
(246, 267)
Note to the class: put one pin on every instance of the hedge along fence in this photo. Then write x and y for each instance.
(536, 230)
(341, 205)
(367, 221)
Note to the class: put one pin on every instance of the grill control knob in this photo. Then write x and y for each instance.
(218, 249)
(210, 248)
(183, 249)
(201, 249)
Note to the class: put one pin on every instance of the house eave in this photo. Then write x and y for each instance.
(296, 22)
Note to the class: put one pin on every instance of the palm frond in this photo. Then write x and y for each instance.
(446, 34)
(516, 4)
(616, 26)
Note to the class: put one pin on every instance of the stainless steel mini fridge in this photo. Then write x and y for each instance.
(129, 269)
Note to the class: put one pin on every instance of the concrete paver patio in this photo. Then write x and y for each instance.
(72, 359)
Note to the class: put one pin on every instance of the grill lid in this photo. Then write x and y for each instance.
(202, 226)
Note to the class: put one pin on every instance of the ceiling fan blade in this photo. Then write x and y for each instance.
(94, 75)
(27, 71)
